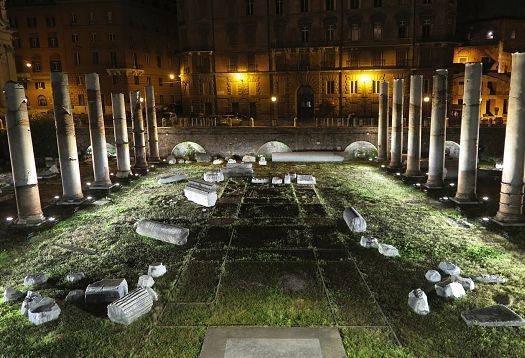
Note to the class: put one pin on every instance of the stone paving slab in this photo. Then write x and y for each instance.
(265, 342)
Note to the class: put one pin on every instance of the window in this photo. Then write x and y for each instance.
(353, 59)
(42, 101)
(378, 3)
(304, 5)
(111, 36)
(426, 28)
(147, 59)
(80, 80)
(161, 82)
(354, 87)
(330, 87)
(17, 43)
(136, 80)
(513, 35)
(330, 5)
(378, 31)
(75, 38)
(232, 63)
(113, 58)
(93, 37)
(40, 85)
(109, 17)
(491, 86)
(31, 22)
(463, 59)
(355, 32)
(402, 57)
(402, 30)
(355, 4)
(34, 41)
(50, 21)
(148, 81)
(377, 58)
(279, 7)
(81, 100)
(250, 4)
(52, 41)
(304, 34)
(36, 66)
(55, 64)
(94, 57)
(375, 86)
(76, 55)
(91, 18)
(330, 33)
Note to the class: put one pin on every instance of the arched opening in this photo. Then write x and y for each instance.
(111, 149)
(305, 103)
(42, 101)
(268, 148)
(452, 150)
(187, 150)
(361, 150)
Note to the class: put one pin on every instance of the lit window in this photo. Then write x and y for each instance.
(378, 31)
(40, 85)
(355, 32)
(330, 87)
(112, 36)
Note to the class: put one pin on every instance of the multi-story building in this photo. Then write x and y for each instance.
(129, 43)
(307, 58)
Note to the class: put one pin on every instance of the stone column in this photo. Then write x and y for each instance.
(511, 195)
(97, 133)
(382, 130)
(66, 140)
(469, 137)
(151, 118)
(414, 126)
(139, 140)
(396, 144)
(436, 158)
(22, 157)
(121, 135)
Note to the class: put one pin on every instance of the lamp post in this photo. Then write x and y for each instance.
(274, 107)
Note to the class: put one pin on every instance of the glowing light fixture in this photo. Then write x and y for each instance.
(452, 184)
(485, 198)
(426, 99)
(51, 219)
(239, 76)
(88, 184)
(56, 197)
(172, 76)
(9, 218)
(485, 219)
(274, 99)
(365, 78)
(29, 65)
(141, 99)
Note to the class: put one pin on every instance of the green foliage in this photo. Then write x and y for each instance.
(43, 133)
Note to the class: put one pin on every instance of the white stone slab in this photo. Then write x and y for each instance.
(273, 348)
(213, 177)
(306, 180)
(171, 179)
(261, 180)
(201, 192)
(163, 232)
(277, 181)
(105, 291)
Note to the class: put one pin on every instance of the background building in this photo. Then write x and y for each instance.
(7, 60)
(129, 43)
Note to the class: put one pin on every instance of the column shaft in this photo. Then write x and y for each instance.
(139, 140)
(22, 156)
(151, 118)
(414, 126)
(396, 145)
(511, 195)
(382, 130)
(97, 133)
(121, 135)
(436, 158)
(66, 139)
(469, 138)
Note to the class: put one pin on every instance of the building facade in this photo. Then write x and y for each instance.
(7, 59)
(129, 43)
(307, 58)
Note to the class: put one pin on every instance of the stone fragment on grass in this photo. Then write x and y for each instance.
(306, 180)
(106, 291)
(131, 307)
(171, 179)
(213, 177)
(388, 250)
(449, 289)
(201, 192)
(163, 232)
(369, 242)
(449, 268)
(44, 314)
(232, 161)
(35, 279)
(287, 179)
(261, 180)
(33, 300)
(75, 296)
(156, 269)
(493, 316)
(487, 278)
(262, 161)
(146, 281)
(152, 293)
(238, 170)
(417, 300)
(249, 159)
(218, 161)
(354, 220)
(277, 180)
(12, 294)
(202, 157)
(466, 282)
(75, 276)
(433, 276)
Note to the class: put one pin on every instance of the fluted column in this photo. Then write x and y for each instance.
(511, 194)
(97, 133)
(469, 138)
(414, 126)
(396, 145)
(436, 158)
(139, 140)
(121, 135)
(382, 129)
(151, 118)
(22, 157)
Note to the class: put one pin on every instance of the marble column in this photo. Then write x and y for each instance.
(511, 194)
(22, 157)
(151, 118)
(436, 159)
(382, 129)
(139, 140)
(396, 144)
(97, 133)
(469, 137)
(414, 126)
(121, 135)
(66, 140)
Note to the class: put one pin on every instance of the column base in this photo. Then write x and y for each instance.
(71, 202)
(465, 202)
(154, 160)
(141, 170)
(433, 186)
(29, 222)
(508, 224)
(124, 174)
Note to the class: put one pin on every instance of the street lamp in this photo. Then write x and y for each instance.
(172, 76)
(274, 119)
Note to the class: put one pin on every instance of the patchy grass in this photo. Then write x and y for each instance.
(269, 256)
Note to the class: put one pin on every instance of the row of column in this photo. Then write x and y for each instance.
(21, 147)
(512, 185)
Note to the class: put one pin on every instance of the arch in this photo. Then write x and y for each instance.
(42, 101)
(268, 148)
(111, 149)
(187, 150)
(452, 149)
(361, 150)
(305, 103)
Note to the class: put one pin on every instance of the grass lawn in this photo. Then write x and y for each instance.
(269, 256)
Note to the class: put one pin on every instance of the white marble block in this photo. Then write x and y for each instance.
(201, 192)
(130, 307)
(306, 180)
(354, 220)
